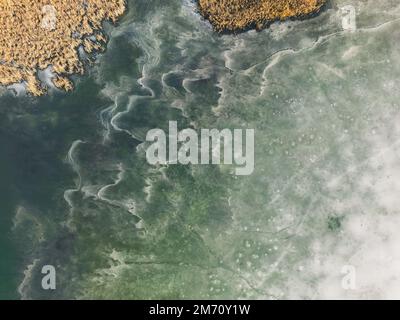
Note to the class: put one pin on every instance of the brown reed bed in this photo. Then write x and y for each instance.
(239, 15)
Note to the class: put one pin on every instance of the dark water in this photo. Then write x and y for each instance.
(77, 192)
(9, 261)
(36, 133)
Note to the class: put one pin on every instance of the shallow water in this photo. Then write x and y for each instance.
(80, 195)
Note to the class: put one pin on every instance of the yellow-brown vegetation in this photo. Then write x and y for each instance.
(236, 15)
(37, 34)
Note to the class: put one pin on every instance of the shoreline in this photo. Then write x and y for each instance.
(259, 24)
(48, 40)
